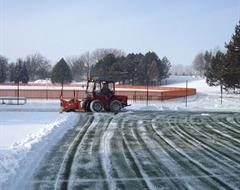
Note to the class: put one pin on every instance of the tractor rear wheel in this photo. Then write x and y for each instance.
(96, 106)
(115, 106)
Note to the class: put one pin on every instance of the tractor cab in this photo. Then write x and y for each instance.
(100, 87)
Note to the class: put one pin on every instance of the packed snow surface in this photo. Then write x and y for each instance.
(143, 150)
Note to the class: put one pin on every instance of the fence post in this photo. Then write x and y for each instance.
(221, 88)
(46, 91)
(147, 92)
(186, 92)
(135, 96)
(18, 93)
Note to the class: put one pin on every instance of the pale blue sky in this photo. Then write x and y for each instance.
(178, 29)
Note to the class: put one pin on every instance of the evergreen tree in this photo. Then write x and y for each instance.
(61, 72)
(130, 66)
(215, 68)
(232, 74)
(153, 69)
(104, 67)
(3, 68)
(163, 68)
(146, 67)
(134, 68)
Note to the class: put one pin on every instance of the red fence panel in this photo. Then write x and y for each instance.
(133, 92)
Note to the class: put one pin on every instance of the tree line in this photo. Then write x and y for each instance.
(31, 68)
(103, 63)
(133, 68)
(222, 68)
(36, 66)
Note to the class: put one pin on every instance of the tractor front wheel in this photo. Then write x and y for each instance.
(115, 106)
(96, 106)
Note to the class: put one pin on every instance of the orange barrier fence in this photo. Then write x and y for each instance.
(133, 92)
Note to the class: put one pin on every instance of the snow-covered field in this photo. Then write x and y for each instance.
(15, 126)
(146, 147)
(207, 98)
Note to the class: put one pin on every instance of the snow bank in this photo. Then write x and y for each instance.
(27, 153)
(43, 81)
(16, 125)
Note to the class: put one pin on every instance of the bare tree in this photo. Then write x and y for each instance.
(180, 69)
(38, 66)
(177, 69)
(88, 62)
(199, 64)
(78, 67)
(99, 54)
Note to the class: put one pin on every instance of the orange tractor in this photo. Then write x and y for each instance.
(100, 96)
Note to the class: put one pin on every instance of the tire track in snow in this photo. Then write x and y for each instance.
(226, 143)
(199, 129)
(65, 168)
(189, 136)
(122, 164)
(106, 152)
(87, 160)
(213, 157)
(221, 143)
(138, 167)
(229, 125)
(188, 168)
(193, 161)
(213, 126)
(165, 151)
(152, 155)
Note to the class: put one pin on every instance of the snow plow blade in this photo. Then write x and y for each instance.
(71, 105)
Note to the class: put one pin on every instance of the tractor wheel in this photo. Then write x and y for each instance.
(115, 106)
(96, 106)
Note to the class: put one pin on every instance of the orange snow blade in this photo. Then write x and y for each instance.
(70, 105)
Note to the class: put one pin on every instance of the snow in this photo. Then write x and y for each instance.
(15, 126)
(207, 98)
(40, 87)
(23, 130)
(43, 81)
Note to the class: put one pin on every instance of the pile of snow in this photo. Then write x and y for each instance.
(43, 81)
(31, 134)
